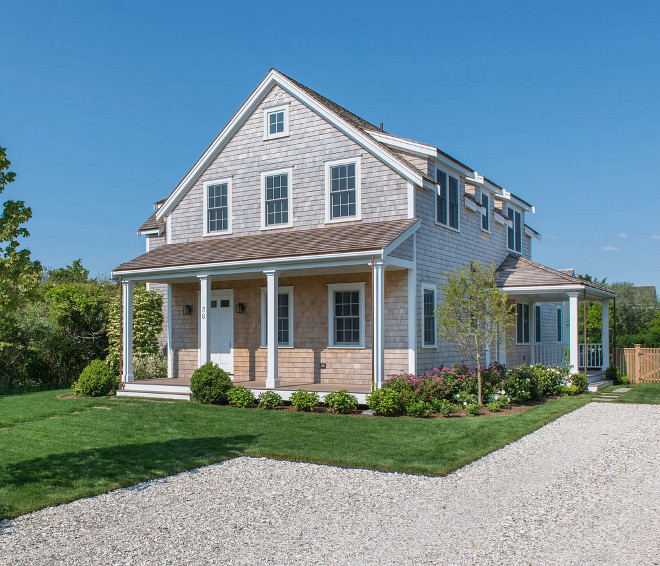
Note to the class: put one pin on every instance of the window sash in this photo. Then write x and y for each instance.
(343, 191)
(537, 324)
(453, 202)
(441, 206)
(429, 317)
(276, 122)
(346, 317)
(514, 232)
(522, 323)
(485, 216)
(217, 207)
(277, 199)
(560, 325)
(447, 196)
(518, 230)
(284, 321)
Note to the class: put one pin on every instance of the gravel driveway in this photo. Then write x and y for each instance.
(583, 490)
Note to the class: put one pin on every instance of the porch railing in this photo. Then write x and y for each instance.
(594, 356)
(550, 354)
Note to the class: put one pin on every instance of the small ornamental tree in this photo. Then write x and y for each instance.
(473, 313)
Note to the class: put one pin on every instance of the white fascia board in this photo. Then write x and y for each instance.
(252, 266)
(411, 146)
(155, 231)
(532, 233)
(540, 289)
(402, 238)
(271, 79)
(507, 195)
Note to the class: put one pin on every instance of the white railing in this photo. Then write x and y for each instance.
(594, 356)
(550, 354)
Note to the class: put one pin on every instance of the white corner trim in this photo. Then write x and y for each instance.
(207, 184)
(289, 173)
(332, 287)
(410, 192)
(358, 189)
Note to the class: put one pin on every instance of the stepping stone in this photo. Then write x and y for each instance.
(622, 390)
(603, 400)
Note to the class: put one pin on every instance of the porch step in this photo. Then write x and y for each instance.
(158, 387)
(598, 385)
(157, 393)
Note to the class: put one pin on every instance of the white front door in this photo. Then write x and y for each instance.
(221, 327)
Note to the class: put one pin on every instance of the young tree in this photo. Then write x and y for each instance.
(19, 275)
(473, 313)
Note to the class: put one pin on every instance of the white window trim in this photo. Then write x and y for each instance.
(206, 206)
(486, 212)
(332, 287)
(264, 310)
(273, 109)
(289, 173)
(435, 200)
(512, 221)
(358, 190)
(560, 340)
(430, 287)
(529, 319)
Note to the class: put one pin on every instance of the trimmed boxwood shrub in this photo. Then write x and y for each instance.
(269, 400)
(241, 397)
(580, 381)
(305, 400)
(341, 402)
(386, 402)
(96, 379)
(210, 384)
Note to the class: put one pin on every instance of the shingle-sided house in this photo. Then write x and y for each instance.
(306, 247)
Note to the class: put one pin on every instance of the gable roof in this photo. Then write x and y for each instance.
(345, 121)
(332, 240)
(517, 271)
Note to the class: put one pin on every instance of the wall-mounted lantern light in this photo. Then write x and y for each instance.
(187, 309)
(240, 307)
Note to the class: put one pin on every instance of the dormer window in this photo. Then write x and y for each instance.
(485, 213)
(276, 122)
(446, 202)
(514, 231)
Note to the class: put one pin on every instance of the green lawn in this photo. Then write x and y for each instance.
(55, 450)
(642, 393)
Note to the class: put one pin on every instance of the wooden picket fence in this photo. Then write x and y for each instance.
(641, 365)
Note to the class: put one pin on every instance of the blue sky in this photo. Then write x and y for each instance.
(104, 106)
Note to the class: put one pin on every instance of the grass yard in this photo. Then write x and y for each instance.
(642, 393)
(55, 450)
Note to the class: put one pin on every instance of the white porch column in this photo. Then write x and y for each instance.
(272, 375)
(412, 321)
(573, 331)
(170, 356)
(378, 312)
(605, 332)
(127, 338)
(204, 310)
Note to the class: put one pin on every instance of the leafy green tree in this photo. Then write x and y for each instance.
(19, 275)
(147, 324)
(74, 273)
(473, 313)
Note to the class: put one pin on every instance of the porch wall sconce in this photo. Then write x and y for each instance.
(187, 309)
(240, 307)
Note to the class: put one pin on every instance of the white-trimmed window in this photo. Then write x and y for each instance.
(514, 231)
(560, 324)
(276, 199)
(284, 317)
(446, 202)
(485, 213)
(522, 323)
(342, 190)
(346, 315)
(537, 324)
(276, 122)
(429, 330)
(217, 206)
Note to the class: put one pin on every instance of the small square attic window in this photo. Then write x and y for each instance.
(276, 122)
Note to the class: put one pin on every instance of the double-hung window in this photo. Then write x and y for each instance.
(560, 324)
(446, 202)
(522, 323)
(276, 122)
(342, 190)
(346, 315)
(485, 213)
(428, 306)
(514, 231)
(217, 206)
(284, 317)
(276, 197)
(537, 324)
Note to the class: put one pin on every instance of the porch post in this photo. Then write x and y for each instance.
(170, 353)
(532, 332)
(605, 332)
(573, 331)
(204, 309)
(127, 338)
(378, 312)
(412, 321)
(272, 375)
